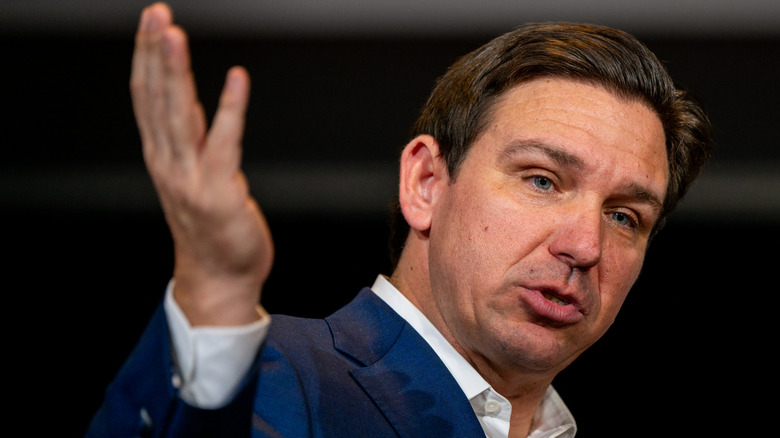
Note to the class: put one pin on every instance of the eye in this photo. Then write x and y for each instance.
(542, 182)
(624, 219)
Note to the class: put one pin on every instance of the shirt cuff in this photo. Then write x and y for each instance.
(212, 361)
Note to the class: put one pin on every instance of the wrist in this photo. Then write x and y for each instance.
(208, 301)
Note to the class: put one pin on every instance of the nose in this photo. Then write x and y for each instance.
(577, 241)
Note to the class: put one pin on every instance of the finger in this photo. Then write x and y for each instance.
(146, 66)
(183, 112)
(138, 74)
(223, 147)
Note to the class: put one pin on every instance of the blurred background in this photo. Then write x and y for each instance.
(336, 87)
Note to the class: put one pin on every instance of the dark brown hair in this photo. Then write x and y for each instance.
(459, 106)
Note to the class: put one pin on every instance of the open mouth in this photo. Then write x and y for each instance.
(556, 300)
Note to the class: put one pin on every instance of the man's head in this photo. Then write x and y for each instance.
(460, 105)
(543, 164)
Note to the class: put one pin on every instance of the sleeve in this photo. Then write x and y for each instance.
(212, 360)
(146, 398)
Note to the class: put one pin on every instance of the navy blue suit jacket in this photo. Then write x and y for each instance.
(361, 372)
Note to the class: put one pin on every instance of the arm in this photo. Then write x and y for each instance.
(222, 246)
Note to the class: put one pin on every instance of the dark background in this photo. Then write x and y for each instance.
(88, 254)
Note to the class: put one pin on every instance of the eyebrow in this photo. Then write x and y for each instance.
(565, 158)
(640, 193)
(557, 154)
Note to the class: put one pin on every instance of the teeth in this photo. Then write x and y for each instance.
(554, 299)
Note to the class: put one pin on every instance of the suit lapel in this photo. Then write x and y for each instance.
(400, 372)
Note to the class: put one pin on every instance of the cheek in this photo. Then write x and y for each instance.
(468, 249)
(493, 238)
(618, 274)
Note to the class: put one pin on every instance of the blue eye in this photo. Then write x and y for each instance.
(543, 183)
(622, 218)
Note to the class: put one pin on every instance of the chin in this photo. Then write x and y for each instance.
(534, 347)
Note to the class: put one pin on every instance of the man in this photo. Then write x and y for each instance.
(541, 166)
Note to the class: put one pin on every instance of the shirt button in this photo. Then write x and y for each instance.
(146, 419)
(176, 381)
(492, 407)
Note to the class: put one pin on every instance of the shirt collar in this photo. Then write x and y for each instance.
(553, 419)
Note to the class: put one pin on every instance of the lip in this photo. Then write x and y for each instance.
(556, 313)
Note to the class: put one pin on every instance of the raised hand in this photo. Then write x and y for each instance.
(222, 245)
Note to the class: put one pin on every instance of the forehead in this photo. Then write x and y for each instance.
(584, 119)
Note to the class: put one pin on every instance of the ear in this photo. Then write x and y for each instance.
(423, 172)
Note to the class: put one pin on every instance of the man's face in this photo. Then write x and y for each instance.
(536, 243)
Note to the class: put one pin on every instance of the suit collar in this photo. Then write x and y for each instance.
(366, 328)
(400, 372)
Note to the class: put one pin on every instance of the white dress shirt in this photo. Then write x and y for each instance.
(213, 360)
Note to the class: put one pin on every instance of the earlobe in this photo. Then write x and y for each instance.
(423, 171)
